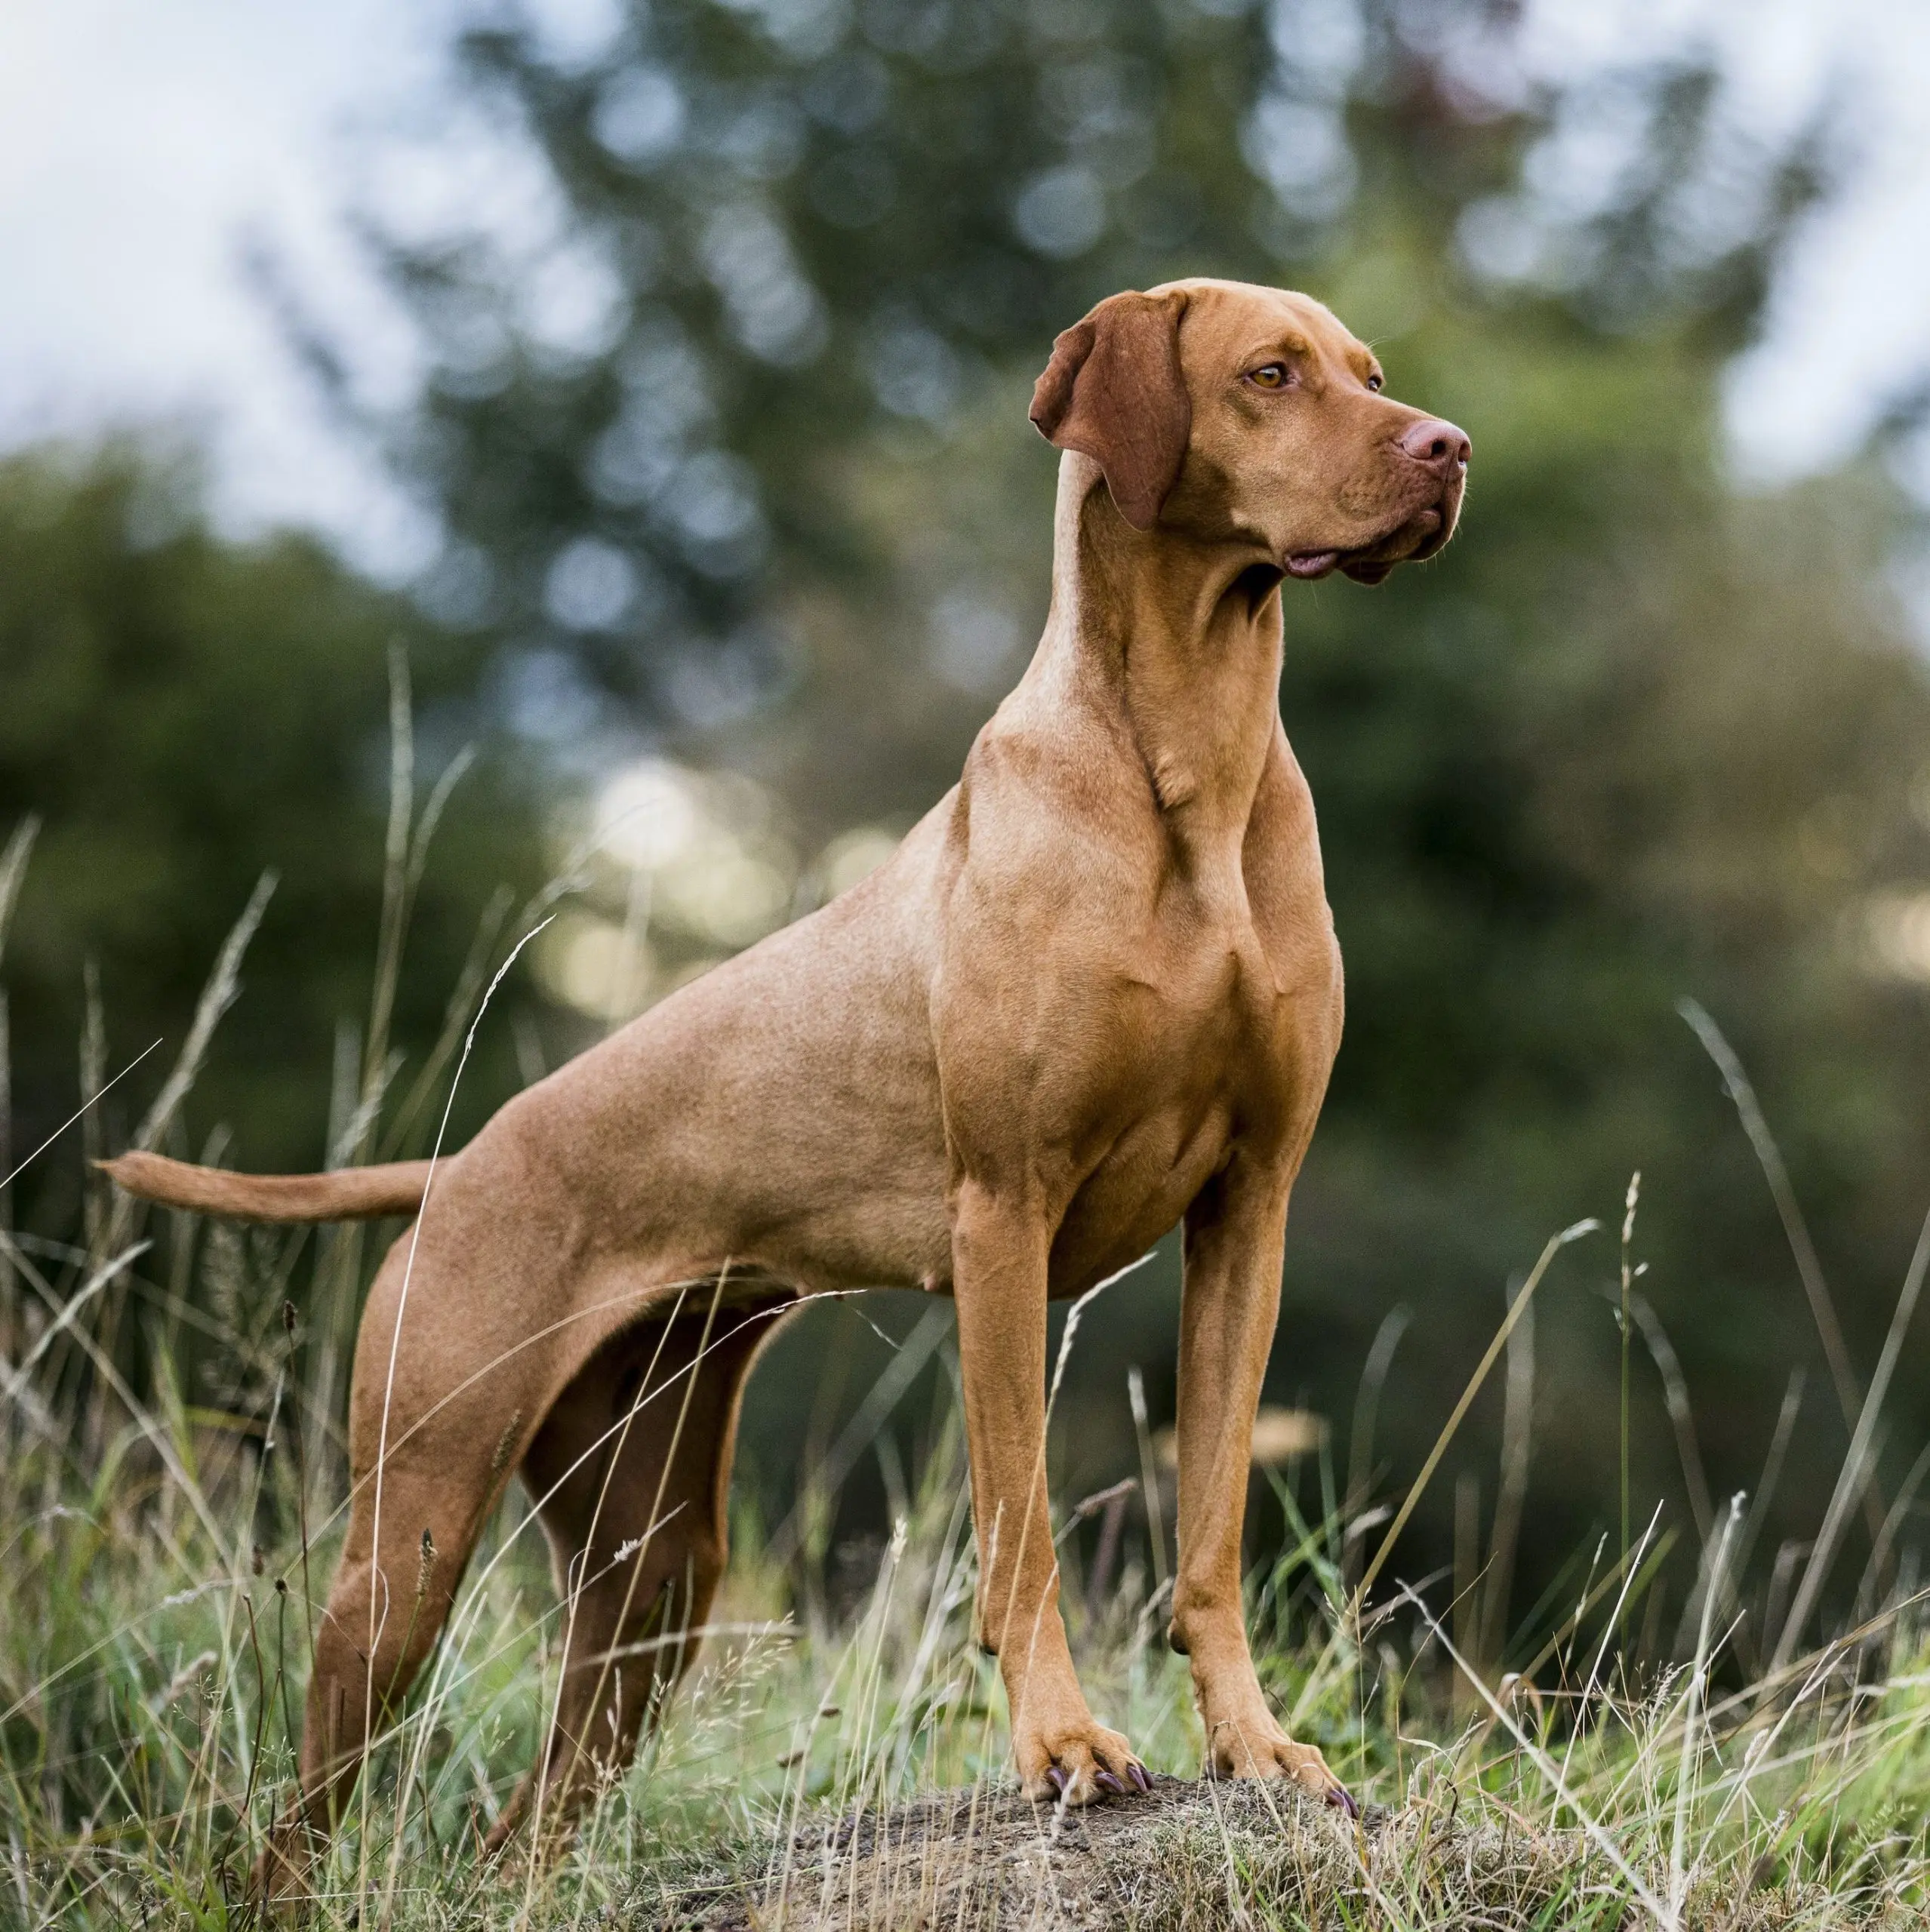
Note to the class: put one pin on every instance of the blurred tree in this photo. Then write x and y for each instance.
(784, 243)
(736, 445)
(181, 713)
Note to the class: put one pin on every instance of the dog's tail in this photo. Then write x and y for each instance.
(349, 1194)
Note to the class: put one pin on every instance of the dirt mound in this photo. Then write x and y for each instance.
(1186, 1857)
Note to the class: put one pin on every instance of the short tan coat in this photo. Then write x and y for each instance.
(1095, 994)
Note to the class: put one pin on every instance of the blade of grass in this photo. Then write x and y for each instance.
(1517, 1446)
(1698, 1681)
(91, 1101)
(1768, 1156)
(1149, 1477)
(1315, 1680)
(1852, 1480)
(1551, 1771)
(394, 1346)
(1681, 1414)
(13, 872)
(1633, 1195)
(223, 988)
(1366, 1413)
(857, 1435)
(1518, 1309)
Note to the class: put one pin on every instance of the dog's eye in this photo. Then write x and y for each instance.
(1269, 376)
(1374, 383)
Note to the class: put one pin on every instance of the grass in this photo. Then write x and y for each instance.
(846, 1766)
(169, 1421)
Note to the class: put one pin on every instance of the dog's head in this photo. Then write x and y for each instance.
(1250, 416)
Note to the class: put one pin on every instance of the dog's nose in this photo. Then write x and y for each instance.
(1439, 444)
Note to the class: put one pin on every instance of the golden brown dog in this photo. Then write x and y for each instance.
(1095, 993)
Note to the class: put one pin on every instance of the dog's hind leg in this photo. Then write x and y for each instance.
(631, 1473)
(438, 1420)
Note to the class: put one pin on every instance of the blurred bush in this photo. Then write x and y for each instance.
(181, 714)
(734, 447)
(745, 522)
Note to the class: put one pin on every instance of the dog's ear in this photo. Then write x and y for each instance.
(1113, 392)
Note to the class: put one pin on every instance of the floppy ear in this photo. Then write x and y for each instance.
(1113, 392)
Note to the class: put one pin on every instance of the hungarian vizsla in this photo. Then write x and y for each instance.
(1095, 993)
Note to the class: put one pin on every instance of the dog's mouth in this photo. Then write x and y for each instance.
(1415, 538)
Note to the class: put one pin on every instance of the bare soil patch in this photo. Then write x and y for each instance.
(1186, 1857)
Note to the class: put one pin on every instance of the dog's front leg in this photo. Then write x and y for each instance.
(998, 1261)
(1234, 1236)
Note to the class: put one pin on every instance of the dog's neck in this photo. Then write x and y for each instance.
(1176, 640)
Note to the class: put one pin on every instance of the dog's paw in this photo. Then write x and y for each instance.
(1079, 1765)
(1259, 1748)
(278, 1891)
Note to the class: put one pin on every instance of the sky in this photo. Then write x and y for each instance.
(146, 151)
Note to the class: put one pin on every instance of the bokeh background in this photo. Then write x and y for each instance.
(621, 407)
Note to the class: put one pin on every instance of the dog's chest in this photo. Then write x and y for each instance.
(1242, 956)
(1236, 1012)
(1232, 1037)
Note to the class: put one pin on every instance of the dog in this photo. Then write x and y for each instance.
(1095, 994)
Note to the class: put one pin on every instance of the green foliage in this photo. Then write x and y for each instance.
(792, 235)
(768, 486)
(152, 1663)
(740, 454)
(807, 227)
(183, 713)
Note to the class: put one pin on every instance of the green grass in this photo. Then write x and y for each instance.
(170, 1425)
(152, 1657)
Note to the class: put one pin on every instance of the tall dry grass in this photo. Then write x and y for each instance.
(170, 1399)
